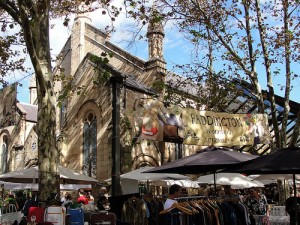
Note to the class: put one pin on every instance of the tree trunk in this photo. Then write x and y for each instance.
(36, 35)
(48, 157)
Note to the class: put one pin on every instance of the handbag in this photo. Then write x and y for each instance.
(88, 207)
(10, 215)
(36, 214)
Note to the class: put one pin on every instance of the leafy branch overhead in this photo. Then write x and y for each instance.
(101, 76)
(250, 40)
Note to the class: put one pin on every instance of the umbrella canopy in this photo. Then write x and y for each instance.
(140, 176)
(272, 178)
(236, 180)
(285, 161)
(30, 175)
(209, 160)
(275, 177)
(22, 186)
(182, 183)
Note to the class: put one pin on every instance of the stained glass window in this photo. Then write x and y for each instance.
(90, 145)
(4, 152)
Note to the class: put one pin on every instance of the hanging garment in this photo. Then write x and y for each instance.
(134, 211)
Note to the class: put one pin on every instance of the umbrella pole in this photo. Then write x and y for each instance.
(295, 199)
(215, 184)
(285, 191)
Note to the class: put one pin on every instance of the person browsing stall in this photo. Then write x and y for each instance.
(257, 203)
(82, 198)
(90, 198)
(102, 203)
(174, 192)
(292, 207)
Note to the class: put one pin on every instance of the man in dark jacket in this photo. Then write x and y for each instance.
(293, 209)
(31, 201)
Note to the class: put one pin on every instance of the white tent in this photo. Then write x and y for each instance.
(30, 175)
(235, 180)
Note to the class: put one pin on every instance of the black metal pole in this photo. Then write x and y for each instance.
(115, 176)
(215, 184)
(295, 199)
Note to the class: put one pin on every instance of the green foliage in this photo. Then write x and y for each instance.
(158, 85)
(103, 72)
(69, 89)
(12, 51)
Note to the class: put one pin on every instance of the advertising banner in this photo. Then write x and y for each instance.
(153, 121)
(223, 129)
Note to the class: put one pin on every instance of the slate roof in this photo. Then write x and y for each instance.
(29, 110)
(131, 83)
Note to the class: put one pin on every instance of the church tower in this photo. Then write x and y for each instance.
(155, 35)
(33, 91)
(78, 38)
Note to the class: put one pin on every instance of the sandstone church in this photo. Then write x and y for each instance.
(93, 129)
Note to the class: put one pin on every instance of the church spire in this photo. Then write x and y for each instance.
(155, 34)
(78, 49)
(33, 91)
(83, 14)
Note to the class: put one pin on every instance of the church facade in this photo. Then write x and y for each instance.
(95, 130)
(86, 122)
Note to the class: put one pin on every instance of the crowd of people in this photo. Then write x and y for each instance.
(86, 198)
(254, 198)
(68, 200)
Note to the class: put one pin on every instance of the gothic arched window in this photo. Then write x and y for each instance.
(3, 155)
(90, 144)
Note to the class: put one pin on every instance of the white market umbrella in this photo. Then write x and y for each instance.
(182, 183)
(235, 180)
(30, 175)
(140, 176)
(272, 178)
(275, 177)
(32, 186)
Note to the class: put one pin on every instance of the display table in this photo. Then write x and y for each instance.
(279, 220)
(278, 216)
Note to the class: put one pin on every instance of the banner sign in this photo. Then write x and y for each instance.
(152, 121)
(223, 129)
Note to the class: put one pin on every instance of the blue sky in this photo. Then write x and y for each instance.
(176, 49)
